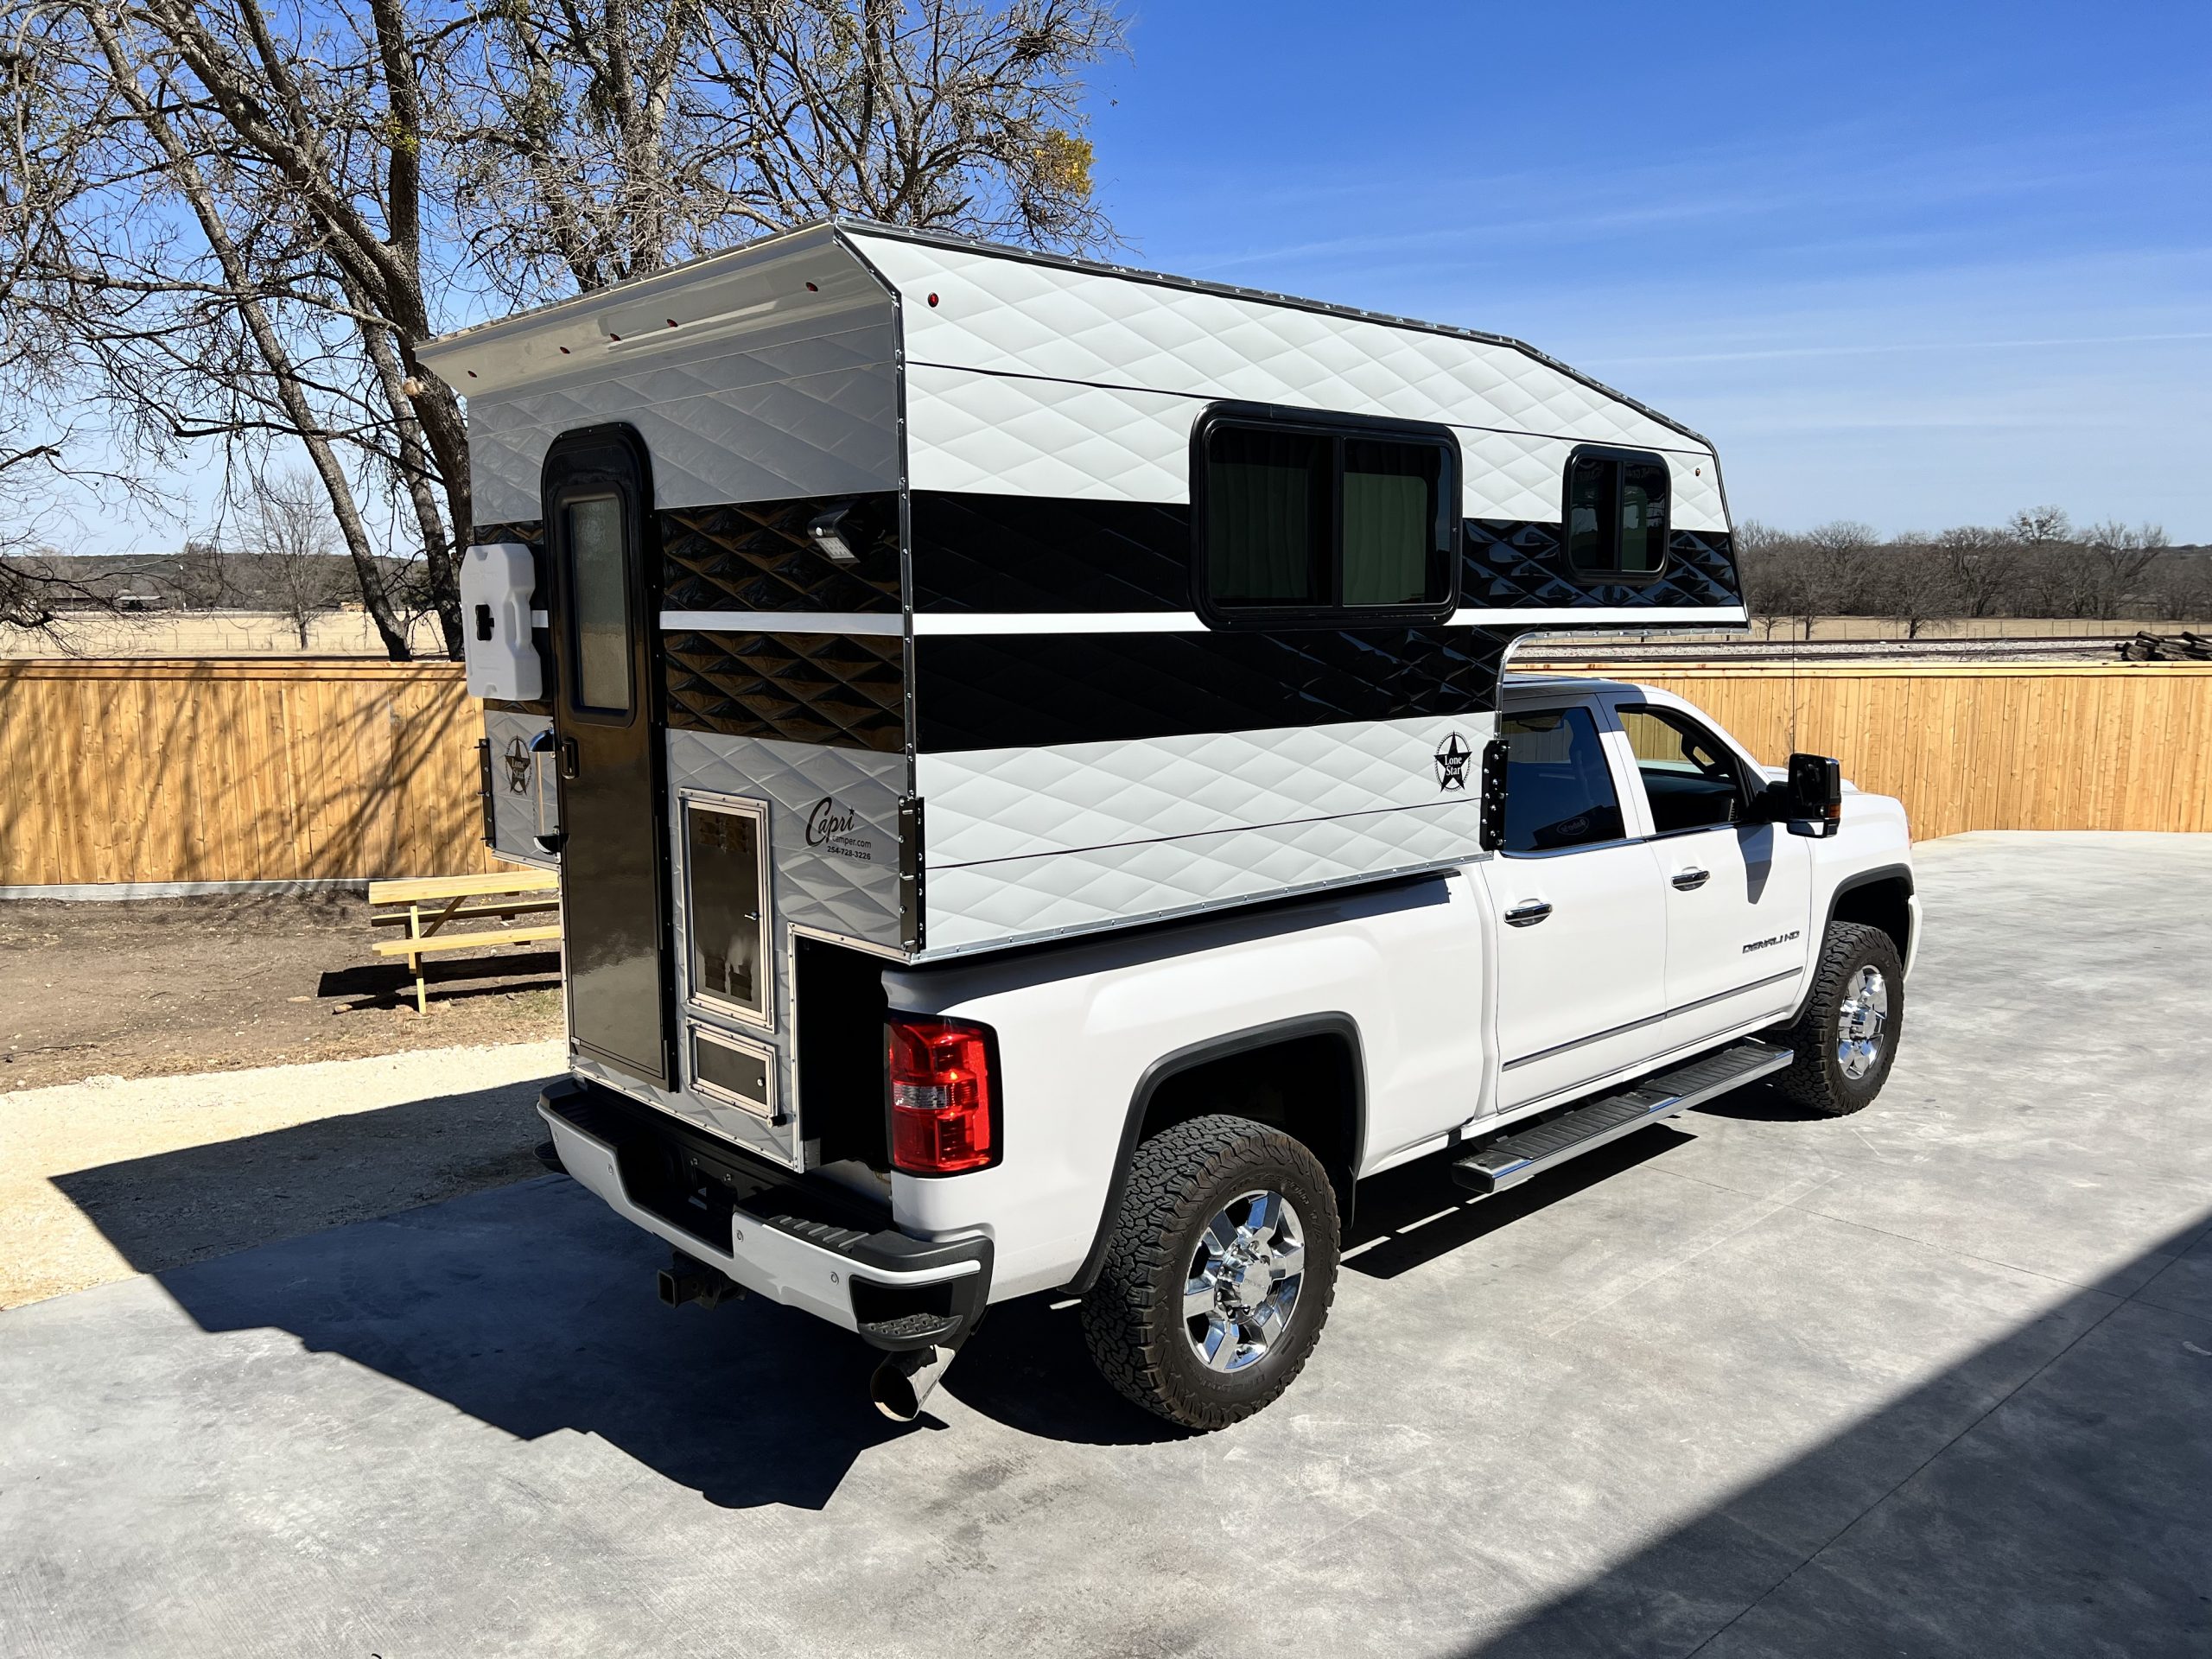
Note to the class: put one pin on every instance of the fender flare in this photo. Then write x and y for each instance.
(1334, 1024)
(1867, 878)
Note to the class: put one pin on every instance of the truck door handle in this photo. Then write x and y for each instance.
(1528, 912)
(1691, 879)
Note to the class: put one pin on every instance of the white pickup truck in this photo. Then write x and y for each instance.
(1170, 1122)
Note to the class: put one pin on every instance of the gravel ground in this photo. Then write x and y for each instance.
(104, 1179)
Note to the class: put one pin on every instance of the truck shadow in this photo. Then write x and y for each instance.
(531, 1306)
(1028, 1367)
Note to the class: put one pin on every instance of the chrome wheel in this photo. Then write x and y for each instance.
(1860, 1022)
(1242, 1281)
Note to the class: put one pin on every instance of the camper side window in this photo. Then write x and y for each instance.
(1617, 513)
(1303, 524)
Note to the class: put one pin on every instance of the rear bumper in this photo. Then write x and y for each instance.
(793, 1242)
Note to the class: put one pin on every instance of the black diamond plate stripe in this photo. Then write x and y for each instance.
(802, 688)
(758, 557)
(1522, 565)
(1014, 690)
(1041, 553)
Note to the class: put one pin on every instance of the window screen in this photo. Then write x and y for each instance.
(1615, 512)
(1315, 525)
(1390, 531)
(599, 602)
(1268, 531)
(1559, 791)
(1689, 779)
(727, 919)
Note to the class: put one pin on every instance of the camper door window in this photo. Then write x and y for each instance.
(1313, 523)
(598, 582)
(1616, 514)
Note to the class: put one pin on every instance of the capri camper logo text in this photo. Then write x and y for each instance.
(838, 831)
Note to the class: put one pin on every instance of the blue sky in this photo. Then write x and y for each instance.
(1917, 265)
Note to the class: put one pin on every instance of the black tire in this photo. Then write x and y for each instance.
(1818, 1078)
(1180, 1179)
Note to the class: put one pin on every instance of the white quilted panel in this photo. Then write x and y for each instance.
(1013, 803)
(806, 416)
(1001, 434)
(1010, 316)
(841, 892)
(991, 434)
(1007, 900)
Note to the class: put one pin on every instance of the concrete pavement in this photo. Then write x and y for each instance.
(1933, 1380)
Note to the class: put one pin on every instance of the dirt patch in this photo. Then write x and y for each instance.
(157, 988)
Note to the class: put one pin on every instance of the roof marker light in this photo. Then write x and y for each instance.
(564, 351)
(811, 289)
(932, 299)
(671, 322)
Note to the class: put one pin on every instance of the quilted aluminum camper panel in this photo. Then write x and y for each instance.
(1031, 842)
(1048, 378)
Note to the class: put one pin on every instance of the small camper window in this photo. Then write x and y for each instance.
(1616, 514)
(1305, 523)
(725, 868)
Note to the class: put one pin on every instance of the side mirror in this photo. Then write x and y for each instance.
(1813, 794)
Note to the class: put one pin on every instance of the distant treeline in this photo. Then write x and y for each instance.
(2037, 563)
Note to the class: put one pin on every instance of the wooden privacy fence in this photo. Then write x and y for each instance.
(2030, 747)
(299, 769)
(241, 769)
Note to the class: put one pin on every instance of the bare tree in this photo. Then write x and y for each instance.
(1841, 564)
(2180, 587)
(2037, 526)
(2115, 559)
(288, 534)
(1983, 567)
(240, 219)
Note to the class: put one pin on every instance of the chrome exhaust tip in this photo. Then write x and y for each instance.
(904, 1381)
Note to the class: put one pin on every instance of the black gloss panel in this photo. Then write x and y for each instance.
(760, 557)
(802, 688)
(1522, 565)
(981, 691)
(1044, 553)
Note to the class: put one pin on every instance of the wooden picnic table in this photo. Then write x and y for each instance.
(432, 901)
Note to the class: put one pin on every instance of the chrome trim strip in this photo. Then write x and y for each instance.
(873, 622)
(1649, 1019)
(986, 622)
(1661, 617)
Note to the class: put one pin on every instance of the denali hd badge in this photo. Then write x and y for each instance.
(1451, 758)
(838, 831)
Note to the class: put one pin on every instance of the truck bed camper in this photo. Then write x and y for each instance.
(861, 603)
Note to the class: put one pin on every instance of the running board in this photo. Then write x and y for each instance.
(1512, 1159)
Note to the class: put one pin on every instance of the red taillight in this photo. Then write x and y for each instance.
(943, 1109)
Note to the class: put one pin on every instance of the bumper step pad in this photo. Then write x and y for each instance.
(1512, 1159)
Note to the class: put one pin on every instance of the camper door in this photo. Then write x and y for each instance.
(598, 492)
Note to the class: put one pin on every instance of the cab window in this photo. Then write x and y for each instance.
(1690, 778)
(1559, 791)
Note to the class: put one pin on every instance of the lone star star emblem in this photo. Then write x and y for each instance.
(518, 759)
(1451, 758)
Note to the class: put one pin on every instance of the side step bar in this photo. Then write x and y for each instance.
(1512, 1159)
